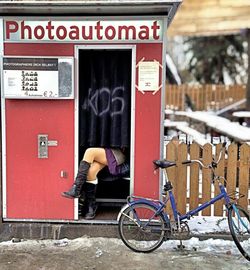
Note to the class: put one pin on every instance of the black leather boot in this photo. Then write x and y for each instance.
(75, 190)
(90, 193)
(82, 207)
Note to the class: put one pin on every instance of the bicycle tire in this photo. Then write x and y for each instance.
(138, 238)
(239, 225)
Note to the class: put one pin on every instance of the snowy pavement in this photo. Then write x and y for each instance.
(112, 254)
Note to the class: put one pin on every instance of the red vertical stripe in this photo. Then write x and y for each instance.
(147, 129)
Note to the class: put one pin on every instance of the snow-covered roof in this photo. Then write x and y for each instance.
(222, 125)
(245, 114)
(90, 7)
(196, 135)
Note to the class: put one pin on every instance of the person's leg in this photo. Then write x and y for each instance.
(90, 188)
(90, 155)
(94, 169)
(81, 177)
(95, 154)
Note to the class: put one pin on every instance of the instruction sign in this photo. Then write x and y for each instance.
(148, 79)
(37, 77)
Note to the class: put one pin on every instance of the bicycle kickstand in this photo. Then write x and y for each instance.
(181, 246)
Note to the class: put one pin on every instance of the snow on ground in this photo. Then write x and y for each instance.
(110, 253)
(199, 225)
(203, 225)
(193, 244)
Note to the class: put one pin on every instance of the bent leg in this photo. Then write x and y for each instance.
(93, 161)
(95, 154)
(94, 169)
(81, 178)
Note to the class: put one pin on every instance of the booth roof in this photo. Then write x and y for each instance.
(90, 7)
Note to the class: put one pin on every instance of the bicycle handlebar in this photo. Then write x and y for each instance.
(213, 164)
(187, 162)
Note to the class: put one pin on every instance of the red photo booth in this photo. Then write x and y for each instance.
(66, 82)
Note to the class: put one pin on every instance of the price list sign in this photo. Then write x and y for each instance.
(30, 77)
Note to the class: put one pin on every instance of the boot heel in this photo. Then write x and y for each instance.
(90, 193)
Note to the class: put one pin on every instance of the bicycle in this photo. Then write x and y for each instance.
(144, 225)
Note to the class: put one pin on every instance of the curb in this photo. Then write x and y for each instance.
(13, 230)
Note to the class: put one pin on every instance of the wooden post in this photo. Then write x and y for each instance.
(194, 177)
(232, 167)
(206, 178)
(171, 155)
(244, 174)
(220, 170)
(181, 185)
(248, 81)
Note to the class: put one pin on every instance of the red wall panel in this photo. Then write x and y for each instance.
(147, 129)
(39, 49)
(34, 185)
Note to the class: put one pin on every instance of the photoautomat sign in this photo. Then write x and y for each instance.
(83, 31)
(37, 77)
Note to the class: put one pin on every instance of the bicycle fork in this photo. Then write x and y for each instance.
(240, 220)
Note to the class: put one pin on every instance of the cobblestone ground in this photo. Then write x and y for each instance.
(111, 254)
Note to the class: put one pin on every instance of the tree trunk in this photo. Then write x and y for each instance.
(248, 73)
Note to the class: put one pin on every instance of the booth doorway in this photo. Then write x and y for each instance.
(104, 117)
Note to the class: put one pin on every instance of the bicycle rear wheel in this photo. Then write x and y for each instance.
(239, 225)
(140, 229)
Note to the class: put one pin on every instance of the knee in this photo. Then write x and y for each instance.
(88, 153)
(91, 151)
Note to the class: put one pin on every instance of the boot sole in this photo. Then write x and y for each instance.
(88, 218)
(91, 217)
(68, 196)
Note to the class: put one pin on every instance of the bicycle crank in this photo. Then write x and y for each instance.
(181, 233)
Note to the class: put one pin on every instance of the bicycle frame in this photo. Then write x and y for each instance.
(177, 216)
(157, 204)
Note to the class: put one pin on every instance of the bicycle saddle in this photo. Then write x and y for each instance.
(163, 163)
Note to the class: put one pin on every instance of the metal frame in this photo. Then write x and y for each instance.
(3, 157)
(163, 95)
(132, 110)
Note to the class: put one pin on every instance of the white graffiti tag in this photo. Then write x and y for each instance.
(112, 101)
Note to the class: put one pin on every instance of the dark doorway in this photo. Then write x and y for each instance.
(105, 116)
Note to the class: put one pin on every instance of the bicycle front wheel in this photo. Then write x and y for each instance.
(140, 229)
(239, 225)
